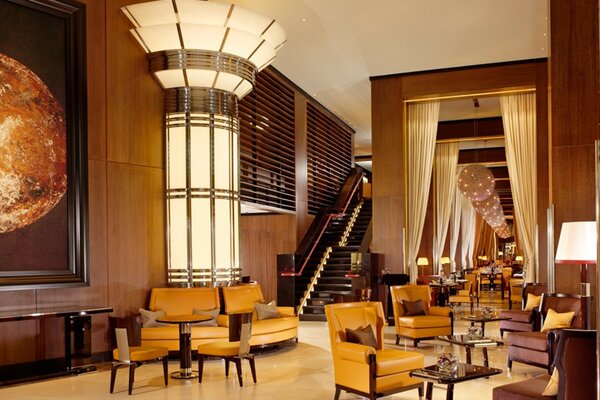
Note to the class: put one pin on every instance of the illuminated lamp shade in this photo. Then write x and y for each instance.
(578, 245)
(476, 182)
(205, 55)
(445, 260)
(422, 261)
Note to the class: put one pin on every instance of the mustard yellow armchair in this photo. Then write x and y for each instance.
(417, 320)
(368, 371)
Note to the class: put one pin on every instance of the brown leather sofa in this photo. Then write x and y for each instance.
(182, 301)
(576, 364)
(538, 348)
(437, 321)
(369, 371)
(521, 320)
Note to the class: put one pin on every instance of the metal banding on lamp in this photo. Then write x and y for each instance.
(206, 56)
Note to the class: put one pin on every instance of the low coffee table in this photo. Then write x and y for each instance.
(482, 319)
(464, 372)
(469, 342)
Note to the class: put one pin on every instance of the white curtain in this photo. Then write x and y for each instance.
(455, 223)
(422, 129)
(518, 116)
(467, 229)
(444, 167)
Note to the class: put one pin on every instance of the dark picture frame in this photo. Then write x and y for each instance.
(66, 19)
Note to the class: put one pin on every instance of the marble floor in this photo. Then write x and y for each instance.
(301, 371)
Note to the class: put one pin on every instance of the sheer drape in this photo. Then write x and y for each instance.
(467, 231)
(422, 130)
(518, 116)
(484, 239)
(444, 167)
(455, 224)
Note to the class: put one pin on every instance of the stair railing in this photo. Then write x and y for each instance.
(317, 275)
(321, 222)
(314, 280)
(350, 225)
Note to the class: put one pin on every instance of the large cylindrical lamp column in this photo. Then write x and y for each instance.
(206, 56)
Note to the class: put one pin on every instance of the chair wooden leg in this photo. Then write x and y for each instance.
(200, 367)
(165, 361)
(250, 358)
(132, 368)
(509, 366)
(226, 366)
(415, 342)
(338, 391)
(113, 377)
(420, 389)
(238, 367)
(397, 340)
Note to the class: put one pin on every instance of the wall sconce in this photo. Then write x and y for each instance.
(205, 56)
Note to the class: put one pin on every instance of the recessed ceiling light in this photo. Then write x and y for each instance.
(303, 19)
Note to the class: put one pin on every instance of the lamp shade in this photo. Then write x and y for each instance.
(577, 243)
(422, 261)
(519, 258)
(445, 260)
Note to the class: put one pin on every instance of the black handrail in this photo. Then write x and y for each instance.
(321, 222)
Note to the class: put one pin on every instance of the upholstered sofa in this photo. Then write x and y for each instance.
(183, 301)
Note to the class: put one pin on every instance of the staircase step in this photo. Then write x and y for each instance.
(313, 317)
(320, 301)
(328, 280)
(342, 287)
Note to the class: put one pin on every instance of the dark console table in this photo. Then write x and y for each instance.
(78, 330)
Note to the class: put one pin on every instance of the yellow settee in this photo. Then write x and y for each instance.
(183, 301)
(435, 321)
(239, 299)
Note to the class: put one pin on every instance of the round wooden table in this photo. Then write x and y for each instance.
(185, 341)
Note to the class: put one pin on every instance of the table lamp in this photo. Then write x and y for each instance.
(577, 245)
(519, 259)
(422, 261)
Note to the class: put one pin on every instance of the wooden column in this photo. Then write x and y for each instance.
(574, 118)
(388, 171)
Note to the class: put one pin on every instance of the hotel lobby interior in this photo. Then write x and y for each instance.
(344, 199)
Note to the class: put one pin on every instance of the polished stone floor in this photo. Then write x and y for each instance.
(300, 371)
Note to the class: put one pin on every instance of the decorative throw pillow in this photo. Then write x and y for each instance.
(211, 322)
(362, 335)
(556, 320)
(413, 307)
(533, 301)
(552, 387)
(266, 311)
(149, 318)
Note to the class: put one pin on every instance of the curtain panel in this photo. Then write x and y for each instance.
(444, 166)
(519, 119)
(467, 229)
(455, 223)
(422, 129)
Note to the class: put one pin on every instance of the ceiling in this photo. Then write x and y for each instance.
(334, 46)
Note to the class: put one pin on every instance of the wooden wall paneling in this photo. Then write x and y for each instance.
(543, 173)
(302, 223)
(574, 118)
(467, 80)
(135, 106)
(262, 237)
(136, 235)
(18, 340)
(388, 171)
(96, 79)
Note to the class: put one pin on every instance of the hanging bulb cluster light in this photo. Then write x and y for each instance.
(476, 182)
(491, 211)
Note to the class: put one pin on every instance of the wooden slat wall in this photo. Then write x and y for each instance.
(267, 152)
(329, 158)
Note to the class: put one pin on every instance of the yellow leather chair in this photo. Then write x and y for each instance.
(368, 371)
(468, 294)
(436, 321)
(134, 357)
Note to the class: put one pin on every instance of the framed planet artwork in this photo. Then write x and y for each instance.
(43, 145)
